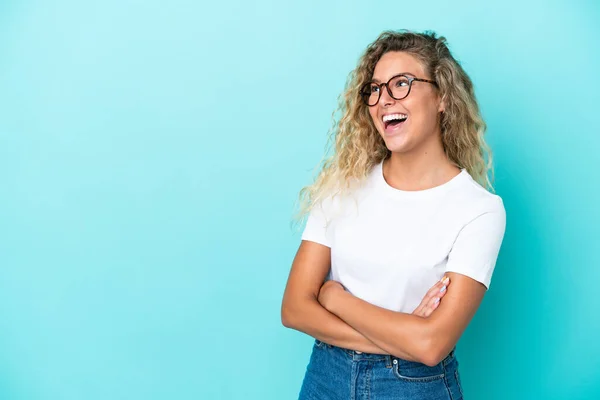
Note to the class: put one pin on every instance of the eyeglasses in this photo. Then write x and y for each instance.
(398, 88)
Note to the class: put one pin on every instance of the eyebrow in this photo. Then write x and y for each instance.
(399, 73)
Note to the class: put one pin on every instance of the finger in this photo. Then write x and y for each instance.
(436, 297)
(422, 309)
(436, 290)
(427, 303)
(440, 293)
(419, 309)
(431, 306)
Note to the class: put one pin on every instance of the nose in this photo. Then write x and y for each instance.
(385, 99)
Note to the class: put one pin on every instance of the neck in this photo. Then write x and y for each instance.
(422, 168)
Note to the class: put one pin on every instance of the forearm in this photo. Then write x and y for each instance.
(403, 335)
(309, 316)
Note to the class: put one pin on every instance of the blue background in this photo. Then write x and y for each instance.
(150, 158)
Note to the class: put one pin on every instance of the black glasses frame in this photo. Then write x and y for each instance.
(365, 94)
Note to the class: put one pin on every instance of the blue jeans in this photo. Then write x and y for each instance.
(342, 374)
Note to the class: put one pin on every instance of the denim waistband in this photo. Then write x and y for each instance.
(388, 358)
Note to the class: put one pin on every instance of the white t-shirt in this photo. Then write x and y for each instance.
(389, 246)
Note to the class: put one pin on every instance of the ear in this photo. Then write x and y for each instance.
(442, 105)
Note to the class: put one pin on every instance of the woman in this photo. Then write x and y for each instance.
(396, 212)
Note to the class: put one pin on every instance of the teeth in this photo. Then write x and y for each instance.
(390, 117)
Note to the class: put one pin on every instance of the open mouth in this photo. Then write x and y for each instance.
(393, 120)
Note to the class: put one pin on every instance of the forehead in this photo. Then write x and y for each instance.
(397, 62)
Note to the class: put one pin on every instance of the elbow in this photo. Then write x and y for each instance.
(429, 348)
(296, 312)
(433, 352)
(431, 359)
(287, 317)
(291, 315)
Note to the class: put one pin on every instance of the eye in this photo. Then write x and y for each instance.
(373, 88)
(401, 82)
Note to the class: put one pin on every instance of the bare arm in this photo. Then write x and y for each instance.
(427, 340)
(301, 311)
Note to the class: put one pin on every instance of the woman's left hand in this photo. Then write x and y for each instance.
(328, 292)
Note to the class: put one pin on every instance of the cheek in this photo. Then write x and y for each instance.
(430, 117)
(373, 114)
(422, 115)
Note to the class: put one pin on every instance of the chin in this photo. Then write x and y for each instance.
(399, 149)
(397, 144)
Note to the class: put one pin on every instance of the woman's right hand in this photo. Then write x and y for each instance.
(432, 299)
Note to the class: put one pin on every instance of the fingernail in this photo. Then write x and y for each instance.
(445, 280)
(437, 300)
(443, 289)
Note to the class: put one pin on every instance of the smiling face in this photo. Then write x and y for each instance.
(420, 108)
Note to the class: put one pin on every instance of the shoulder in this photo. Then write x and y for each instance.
(473, 197)
(470, 204)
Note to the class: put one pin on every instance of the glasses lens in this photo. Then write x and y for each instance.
(370, 93)
(399, 87)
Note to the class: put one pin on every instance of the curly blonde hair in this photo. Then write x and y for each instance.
(358, 145)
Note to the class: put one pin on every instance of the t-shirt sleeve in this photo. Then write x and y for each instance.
(476, 248)
(318, 225)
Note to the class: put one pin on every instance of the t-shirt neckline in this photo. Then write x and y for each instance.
(416, 194)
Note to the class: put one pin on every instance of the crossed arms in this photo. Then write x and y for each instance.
(332, 315)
